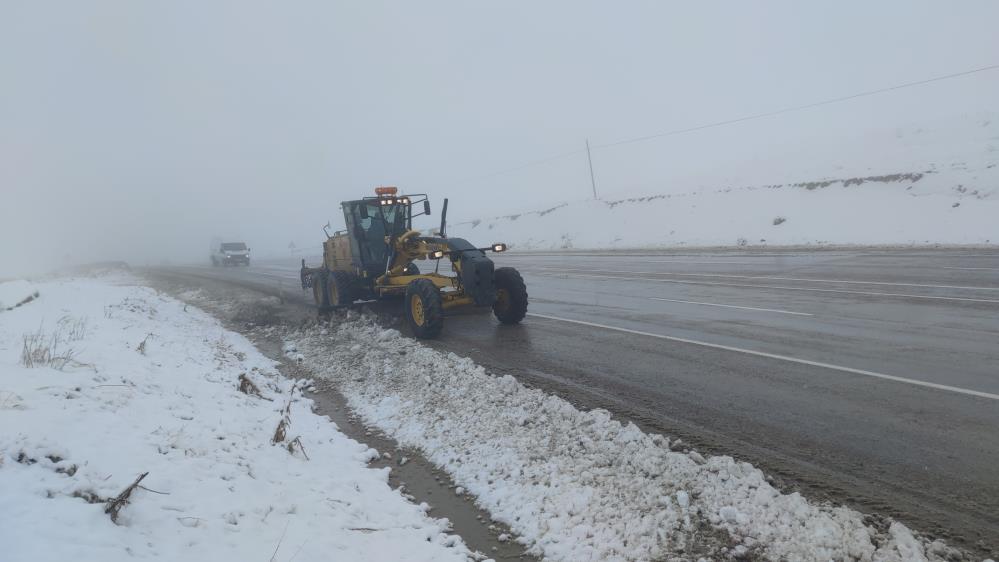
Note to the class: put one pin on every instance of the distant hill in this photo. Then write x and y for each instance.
(908, 186)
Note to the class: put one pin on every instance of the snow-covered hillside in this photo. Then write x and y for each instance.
(917, 185)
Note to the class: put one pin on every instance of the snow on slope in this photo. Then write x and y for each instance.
(15, 293)
(578, 486)
(153, 387)
(919, 185)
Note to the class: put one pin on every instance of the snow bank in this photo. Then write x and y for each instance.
(931, 184)
(16, 293)
(578, 486)
(152, 387)
(893, 212)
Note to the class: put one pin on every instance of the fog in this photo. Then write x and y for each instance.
(141, 130)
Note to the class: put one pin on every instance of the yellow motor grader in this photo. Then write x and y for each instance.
(373, 258)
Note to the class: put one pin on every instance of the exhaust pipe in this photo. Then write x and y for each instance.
(443, 219)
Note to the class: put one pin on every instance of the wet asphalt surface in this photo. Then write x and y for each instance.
(927, 455)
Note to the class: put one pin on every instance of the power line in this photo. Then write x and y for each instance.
(674, 132)
(797, 107)
(530, 164)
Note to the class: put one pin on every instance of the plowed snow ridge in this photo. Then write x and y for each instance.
(577, 485)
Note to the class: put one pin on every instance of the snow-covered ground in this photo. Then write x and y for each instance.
(14, 293)
(102, 381)
(577, 485)
(935, 183)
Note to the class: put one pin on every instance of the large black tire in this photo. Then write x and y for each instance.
(319, 291)
(340, 289)
(424, 309)
(511, 296)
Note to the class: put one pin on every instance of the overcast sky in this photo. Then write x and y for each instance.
(140, 130)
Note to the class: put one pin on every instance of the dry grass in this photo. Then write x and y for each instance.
(141, 348)
(296, 443)
(282, 429)
(40, 349)
(281, 432)
(114, 506)
(72, 329)
(246, 386)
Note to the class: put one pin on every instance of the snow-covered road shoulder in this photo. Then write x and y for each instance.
(577, 485)
(102, 381)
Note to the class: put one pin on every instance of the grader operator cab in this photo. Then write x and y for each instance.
(373, 259)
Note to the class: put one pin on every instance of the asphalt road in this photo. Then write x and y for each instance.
(869, 378)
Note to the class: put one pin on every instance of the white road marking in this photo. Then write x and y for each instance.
(808, 289)
(781, 279)
(762, 261)
(820, 364)
(734, 306)
(709, 262)
(772, 260)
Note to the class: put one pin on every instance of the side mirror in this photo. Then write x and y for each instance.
(247, 249)
(426, 207)
(364, 211)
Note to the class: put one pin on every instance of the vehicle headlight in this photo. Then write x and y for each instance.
(437, 254)
(499, 247)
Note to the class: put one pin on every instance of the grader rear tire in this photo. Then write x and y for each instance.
(340, 289)
(511, 296)
(319, 292)
(424, 309)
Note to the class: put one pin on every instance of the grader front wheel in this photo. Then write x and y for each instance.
(511, 296)
(424, 309)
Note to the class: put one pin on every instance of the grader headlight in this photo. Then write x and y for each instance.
(437, 254)
(499, 247)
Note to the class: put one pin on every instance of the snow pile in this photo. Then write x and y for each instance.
(922, 185)
(578, 486)
(15, 293)
(153, 387)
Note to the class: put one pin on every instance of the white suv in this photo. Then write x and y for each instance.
(230, 253)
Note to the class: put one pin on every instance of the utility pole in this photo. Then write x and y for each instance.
(589, 159)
